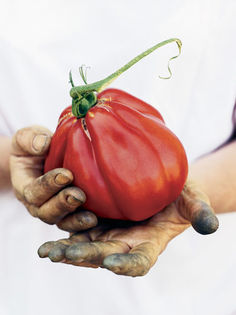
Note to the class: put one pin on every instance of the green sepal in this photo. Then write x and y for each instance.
(80, 106)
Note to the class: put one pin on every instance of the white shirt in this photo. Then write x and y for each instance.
(40, 42)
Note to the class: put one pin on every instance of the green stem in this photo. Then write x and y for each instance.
(82, 93)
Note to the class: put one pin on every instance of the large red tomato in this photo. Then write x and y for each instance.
(122, 155)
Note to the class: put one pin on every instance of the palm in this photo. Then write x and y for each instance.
(130, 248)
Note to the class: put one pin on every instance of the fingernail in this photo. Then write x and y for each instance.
(61, 179)
(73, 200)
(39, 142)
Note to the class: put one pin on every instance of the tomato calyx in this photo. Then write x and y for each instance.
(82, 102)
(85, 96)
(81, 105)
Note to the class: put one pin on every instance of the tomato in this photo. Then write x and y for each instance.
(129, 164)
(122, 155)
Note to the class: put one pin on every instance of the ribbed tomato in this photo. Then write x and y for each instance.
(122, 155)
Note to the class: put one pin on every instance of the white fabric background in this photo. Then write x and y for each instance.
(40, 42)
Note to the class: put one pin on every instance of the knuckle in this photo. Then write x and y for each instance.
(63, 200)
(18, 135)
(28, 194)
(142, 263)
(20, 139)
(46, 181)
(16, 142)
(62, 226)
(43, 217)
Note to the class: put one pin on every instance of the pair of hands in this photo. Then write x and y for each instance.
(125, 248)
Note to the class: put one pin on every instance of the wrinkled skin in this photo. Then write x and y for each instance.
(47, 197)
(123, 247)
(131, 249)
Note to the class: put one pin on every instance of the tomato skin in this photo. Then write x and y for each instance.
(129, 164)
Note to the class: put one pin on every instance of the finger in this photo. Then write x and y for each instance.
(33, 140)
(196, 208)
(29, 146)
(54, 250)
(203, 219)
(57, 248)
(135, 263)
(94, 252)
(78, 221)
(44, 187)
(66, 201)
(45, 249)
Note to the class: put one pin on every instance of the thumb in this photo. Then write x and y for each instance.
(34, 140)
(195, 207)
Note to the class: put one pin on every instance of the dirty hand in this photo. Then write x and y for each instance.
(131, 248)
(47, 197)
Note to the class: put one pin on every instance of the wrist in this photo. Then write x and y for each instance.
(215, 175)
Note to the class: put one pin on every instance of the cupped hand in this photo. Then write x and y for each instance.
(49, 196)
(129, 248)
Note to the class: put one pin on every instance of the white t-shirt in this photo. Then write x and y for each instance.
(40, 42)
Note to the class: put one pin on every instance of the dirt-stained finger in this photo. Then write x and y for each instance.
(94, 252)
(203, 220)
(136, 263)
(34, 140)
(55, 250)
(45, 248)
(78, 221)
(44, 187)
(65, 202)
(195, 207)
